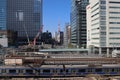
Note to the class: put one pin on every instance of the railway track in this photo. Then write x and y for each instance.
(73, 61)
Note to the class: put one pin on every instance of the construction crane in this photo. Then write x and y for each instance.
(40, 30)
(31, 44)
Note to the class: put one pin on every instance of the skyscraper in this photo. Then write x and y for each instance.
(67, 32)
(2, 14)
(25, 17)
(21, 16)
(104, 25)
(78, 22)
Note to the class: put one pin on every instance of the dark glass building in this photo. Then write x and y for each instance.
(78, 22)
(25, 17)
(21, 16)
(46, 37)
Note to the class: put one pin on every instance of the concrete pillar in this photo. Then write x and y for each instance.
(100, 51)
(93, 50)
(108, 52)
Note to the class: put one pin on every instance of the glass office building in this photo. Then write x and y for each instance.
(78, 22)
(24, 17)
(2, 14)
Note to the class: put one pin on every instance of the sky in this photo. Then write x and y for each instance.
(54, 12)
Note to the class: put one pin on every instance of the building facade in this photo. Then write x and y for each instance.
(67, 33)
(46, 37)
(25, 17)
(21, 16)
(105, 25)
(78, 22)
(2, 14)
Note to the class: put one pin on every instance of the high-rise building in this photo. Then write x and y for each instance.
(67, 32)
(104, 25)
(3, 14)
(23, 16)
(78, 22)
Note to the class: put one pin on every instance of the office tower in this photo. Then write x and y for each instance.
(104, 25)
(2, 14)
(67, 32)
(78, 22)
(24, 17)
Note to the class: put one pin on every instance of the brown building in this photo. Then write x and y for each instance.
(67, 34)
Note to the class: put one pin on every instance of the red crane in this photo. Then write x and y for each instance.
(40, 30)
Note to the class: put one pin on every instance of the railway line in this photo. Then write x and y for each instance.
(72, 61)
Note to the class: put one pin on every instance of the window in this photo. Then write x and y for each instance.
(12, 71)
(103, 2)
(98, 70)
(102, 7)
(82, 70)
(102, 12)
(3, 71)
(46, 71)
(29, 71)
(103, 23)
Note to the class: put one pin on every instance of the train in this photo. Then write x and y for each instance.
(59, 70)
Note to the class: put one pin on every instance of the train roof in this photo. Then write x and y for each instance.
(62, 66)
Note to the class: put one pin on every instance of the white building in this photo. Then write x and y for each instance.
(104, 25)
(3, 41)
(88, 17)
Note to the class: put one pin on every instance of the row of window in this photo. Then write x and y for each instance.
(115, 33)
(114, 27)
(114, 2)
(114, 17)
(115, 44)
(114, 12)
(114, 22)
(114, 7)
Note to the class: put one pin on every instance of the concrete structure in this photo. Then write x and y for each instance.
(4, 42)
(23, 16)
(104, 25)
(78, 22)
(88, 9)
(67, 32)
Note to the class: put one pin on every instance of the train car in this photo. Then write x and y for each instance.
(59, 70)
